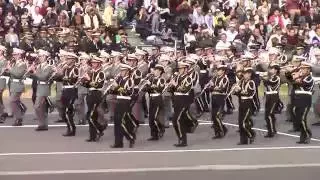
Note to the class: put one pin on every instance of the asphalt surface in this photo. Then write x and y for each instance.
(27, 154)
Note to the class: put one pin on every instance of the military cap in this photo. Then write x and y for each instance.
(296, 58)
(71, 55)
(247, 56)
(84, 55)
(140, 52)
(198, 49)
(305, 65)
(222, 66)
(248, 70)
(160, 67)
(2, 48)
(222, 47)
(96, 34)
(183, 65)
(17, 51)
(273, 50)
(164, 57)
(124, 67)
(115, 53)
(274, 66)
(42, 52)
(132, 57)
(190, 60)
(104, 54)
(300, 46)
(96, 59)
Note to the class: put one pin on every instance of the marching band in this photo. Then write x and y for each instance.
(127, 86)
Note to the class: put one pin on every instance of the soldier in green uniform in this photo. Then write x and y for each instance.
(3, 65)
(42, 73)
(17, 74)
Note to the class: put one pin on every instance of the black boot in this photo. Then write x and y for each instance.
(131, 143)
(117, 146)
(18, 122)
(41, 128)
(154, 138)
(269, 135)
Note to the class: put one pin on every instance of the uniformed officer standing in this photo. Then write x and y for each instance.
(82, 91)
(69, 77)
(272, 86)
(246, 90)
(3, 66)
(94, 80)
(219, 89)
(181, 87)
(42, 73)
(155, 88)
(17, 73)
(303, 100)
(123, 87)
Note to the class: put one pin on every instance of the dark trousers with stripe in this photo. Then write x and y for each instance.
(68, 97)
(124, 122)
(156, 126)
(217, 103)
(94, 99)
(183, 122)
(272, 101)
(246, 109)
(302, 106)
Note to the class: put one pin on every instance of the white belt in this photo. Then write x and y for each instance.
(94, 89)
(203, 71)
(124, 97)
(244, 98)
(271, 92)
(303, 92)
(180, 94)
(2, 77)
(218, 93)
(67, 87)
(155, 94)
(42, 82)
(16, 80)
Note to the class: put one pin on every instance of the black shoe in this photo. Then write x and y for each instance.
(141, 122)
(217, 136)
(194, 127)
(153, 139)
(251, 140)
(131, 143)
(59, 121)
(181, 144)
(198, 115)
(242, 143)
(225, 131)
(316, 124)
(146, 116)
(91, 140)
(269, 135)
(18, 122)
(10, 116)
(2, 120)
(41, 129)
(99, 135)
(117, 146)
(289, 120)
(69, 133)
(306, 141)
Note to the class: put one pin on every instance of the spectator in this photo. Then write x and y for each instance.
(2, 25)
(276, 19)
(223, 41)
(76, 7)
(155, 22)
(209, 21)
(10, 20)
(44, 8)
(61, 5)
(315, 6)
(197, 17)
(63, 19)
(36, 17)
(286, 19)
(292, 7)
(107, 15)
(274, 37)
(264, 10)
(12, 38)
(292, 38)
(231, 32)
(189, 37)
(51, 17)
(90, 19)
(77, 19)
(312, 18)
(30, 6)
(121, 13)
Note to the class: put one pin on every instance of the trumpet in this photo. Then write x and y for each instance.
(234, 88)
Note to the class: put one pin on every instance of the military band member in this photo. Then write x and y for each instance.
(69, 77)
(42, 74)
(17, 73)
(219, 89)
(181, 86)
(82, 91)
(245, 88)
(203, 80)
(94, 80)
(3, 67)
(123, 87)
(272, 86)
(296, 62)
(155, 89)
(303, 100)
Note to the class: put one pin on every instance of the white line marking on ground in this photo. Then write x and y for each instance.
(158, 169)
(159, 151)
(264, 130)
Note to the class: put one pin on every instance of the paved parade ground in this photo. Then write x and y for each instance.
(30, 155)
